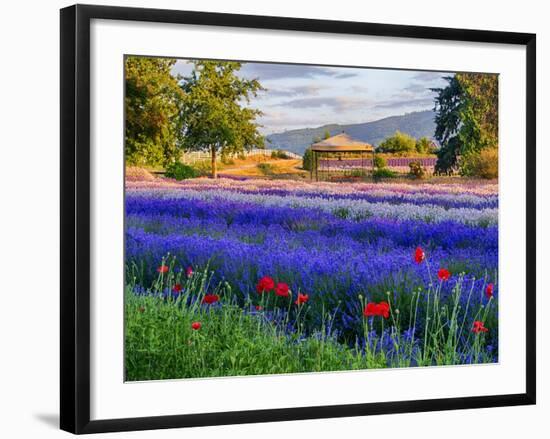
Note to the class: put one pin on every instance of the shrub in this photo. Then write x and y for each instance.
(227, 160)
(483, 164)
(279, 154)
(380, 162)
(417, 170)
(179, 171)
(383, 173)
(204, 168)
(357, 173)
(307, 160)
(266, 168)
(398, 143)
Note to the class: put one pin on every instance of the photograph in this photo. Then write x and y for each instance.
(295, 218)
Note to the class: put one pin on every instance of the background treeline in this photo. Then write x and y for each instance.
(403, 144)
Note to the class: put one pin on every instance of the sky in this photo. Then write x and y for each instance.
(306, 96)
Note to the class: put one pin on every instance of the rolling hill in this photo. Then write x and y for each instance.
(416, 124)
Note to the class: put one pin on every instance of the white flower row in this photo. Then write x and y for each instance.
(356, 209)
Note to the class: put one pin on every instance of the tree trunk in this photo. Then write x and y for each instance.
(214, 166)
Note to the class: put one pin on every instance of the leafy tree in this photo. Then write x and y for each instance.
(326, 135)
(483, 164)
(425, 146)
(398, 143)
(153, 131)
(214, 114)
(466, 120)
(307, 159)
(380, 162)
(480, 112)
(448, 103)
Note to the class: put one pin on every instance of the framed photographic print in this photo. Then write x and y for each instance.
(268, 218)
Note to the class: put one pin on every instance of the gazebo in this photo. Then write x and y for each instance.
(343, 154)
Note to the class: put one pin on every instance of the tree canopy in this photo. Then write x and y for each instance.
(214, 113)
(153, 131)
(425, 146)
(398, 143)
(466, 120)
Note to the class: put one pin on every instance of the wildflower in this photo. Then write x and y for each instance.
(177, 288)
(163, 269)
(196, 325)
(443, 274)
(302, 298)
(419, 255)
(259, 307)
(210, 298)
(265, 284)
(479, 327)
(377, 309)
(282, 290)
(489, 290)
(189, 272)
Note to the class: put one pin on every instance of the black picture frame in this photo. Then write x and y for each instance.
(75, 217)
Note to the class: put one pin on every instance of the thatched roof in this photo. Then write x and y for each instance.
(341, 143)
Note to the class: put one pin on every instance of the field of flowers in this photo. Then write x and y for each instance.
(229, 277)
(398, 164)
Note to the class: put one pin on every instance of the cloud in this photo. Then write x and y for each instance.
(269, 71)
(429, 76)
(301, 90)
(338, 103)
(280, 71)
(359, 89)
(415, 102)
(277, 121)
(345, 75)
(418, 88)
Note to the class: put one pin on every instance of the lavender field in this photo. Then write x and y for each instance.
(336, 276)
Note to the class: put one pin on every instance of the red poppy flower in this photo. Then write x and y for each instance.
(419, 255)
(163, 269)
(384, 309)
(189, 272)
(377, 309)
(259, 308)
(177, 288)
(370, 309)
(489, 290)
(210, 298)
(302, 298)
(196, 325)
(443, 274)
(282, 290)
(479, 327)
(265, 284)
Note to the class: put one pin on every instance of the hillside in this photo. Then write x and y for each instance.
(417, 124)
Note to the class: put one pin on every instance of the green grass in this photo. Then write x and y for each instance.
(161, 344)
(235, 340)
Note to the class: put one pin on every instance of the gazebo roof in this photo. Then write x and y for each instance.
(341, 143)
